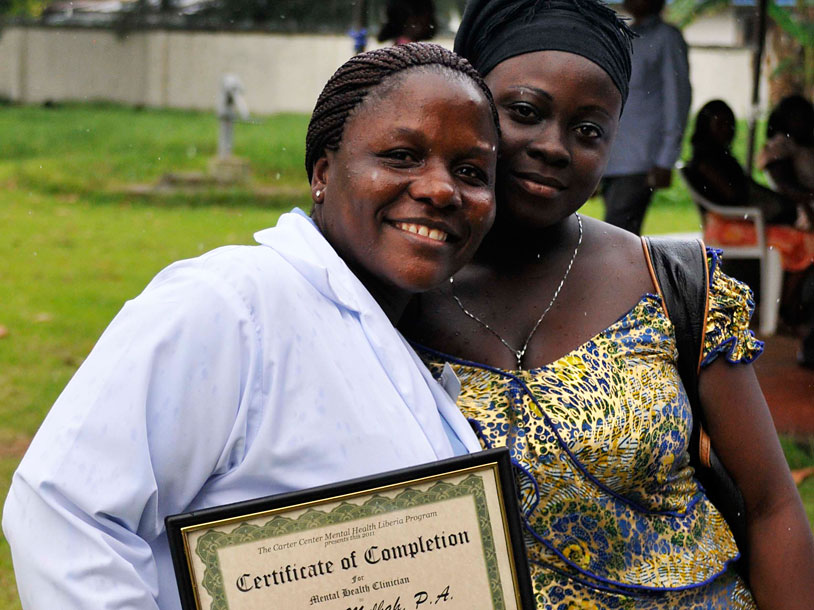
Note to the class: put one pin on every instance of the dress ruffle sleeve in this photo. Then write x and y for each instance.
(731, 305)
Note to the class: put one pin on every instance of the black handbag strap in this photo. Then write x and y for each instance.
(680, 269)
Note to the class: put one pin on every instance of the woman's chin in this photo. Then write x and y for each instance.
(520, 212)
(416, 285)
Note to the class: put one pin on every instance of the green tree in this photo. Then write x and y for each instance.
(794, 43)
(21, 8)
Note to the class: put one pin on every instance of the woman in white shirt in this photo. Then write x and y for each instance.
(256, 370)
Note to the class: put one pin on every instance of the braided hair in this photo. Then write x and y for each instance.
(363, 73)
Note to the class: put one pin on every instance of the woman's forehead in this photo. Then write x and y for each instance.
(416, 90)
(420, 99)
(414, 81)
(551, 69)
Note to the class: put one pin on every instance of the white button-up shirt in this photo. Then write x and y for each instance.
(249, 371)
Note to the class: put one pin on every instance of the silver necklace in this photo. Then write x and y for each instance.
(519, 353)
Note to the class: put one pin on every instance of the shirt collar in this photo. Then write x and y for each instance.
(299, 241)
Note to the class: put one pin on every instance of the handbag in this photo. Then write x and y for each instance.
(680, 268)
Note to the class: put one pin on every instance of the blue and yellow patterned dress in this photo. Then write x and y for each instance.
(613, 515)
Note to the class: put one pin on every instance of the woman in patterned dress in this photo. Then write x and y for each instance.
(565, 354)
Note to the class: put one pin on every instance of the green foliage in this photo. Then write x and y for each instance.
(799, 24)
(800, 454)
(95, 150)
(795, 23)
(684, 12)
(799, 451)
(22, 8)
(291, 16)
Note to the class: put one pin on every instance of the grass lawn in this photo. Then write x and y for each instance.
(76, 244)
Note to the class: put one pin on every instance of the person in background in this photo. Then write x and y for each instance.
(257, 370)
(715, 173)
(649, 140)
(788, 160)
(788, 155)
(566, 354)
(408, 21)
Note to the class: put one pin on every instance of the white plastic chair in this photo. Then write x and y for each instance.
(771, 269)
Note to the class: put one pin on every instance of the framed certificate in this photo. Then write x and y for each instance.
(444, 535)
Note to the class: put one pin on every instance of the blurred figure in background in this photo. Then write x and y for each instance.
(649, 139)
(715, 173)
(788, 160)
(408, 21)
(788, 156)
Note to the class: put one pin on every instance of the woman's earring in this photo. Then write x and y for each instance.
(317, 193)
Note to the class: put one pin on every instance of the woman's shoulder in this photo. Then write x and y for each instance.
(611, 250)
(609, 277)
(609, 257)
(614, 270)
(242, 279)
(224, 266)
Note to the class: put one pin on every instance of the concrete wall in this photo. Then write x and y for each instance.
(719, 29)
(721, 73)
(280, 73)
(68, 64)
(12, 47)
(162, 68)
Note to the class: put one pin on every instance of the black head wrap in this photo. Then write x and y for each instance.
(495, 30)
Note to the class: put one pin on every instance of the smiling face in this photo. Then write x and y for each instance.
(558, 113)
(409, 194)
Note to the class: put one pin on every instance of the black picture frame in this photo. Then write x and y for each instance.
(444, 476)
